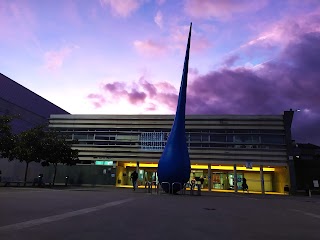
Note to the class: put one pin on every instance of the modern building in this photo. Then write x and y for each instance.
(307, 164)
(30, 110)
(223, 149)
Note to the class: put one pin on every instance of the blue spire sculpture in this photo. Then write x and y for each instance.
(174, 164)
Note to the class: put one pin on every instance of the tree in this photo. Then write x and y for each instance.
(7, 138)
(58, 150)
(29, 147)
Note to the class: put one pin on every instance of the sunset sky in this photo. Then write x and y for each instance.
(126, 56)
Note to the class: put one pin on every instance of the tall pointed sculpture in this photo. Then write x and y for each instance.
(174, 164)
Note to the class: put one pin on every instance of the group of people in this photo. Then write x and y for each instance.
(134, 177)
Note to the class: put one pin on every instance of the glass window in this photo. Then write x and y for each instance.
(80, 136)
(255, 139)
(195, 145)
(195, 137)
(273, 139)
(241, 131)
(229, 138)
(205, 137)
(243, 138)
(218, 138)
(102, 137)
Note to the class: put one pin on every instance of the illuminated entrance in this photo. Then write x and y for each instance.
(222, 177)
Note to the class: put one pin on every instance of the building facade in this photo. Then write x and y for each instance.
(30, 110)
(307, 164)
(223, 149)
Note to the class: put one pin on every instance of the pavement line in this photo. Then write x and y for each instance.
(306, 213)
(54, 218)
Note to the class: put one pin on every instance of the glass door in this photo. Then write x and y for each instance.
(239, 179)
(220, 180)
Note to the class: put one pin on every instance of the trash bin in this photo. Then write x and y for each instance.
(286, 189)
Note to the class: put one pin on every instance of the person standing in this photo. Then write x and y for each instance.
(245, 185)
(134, 177)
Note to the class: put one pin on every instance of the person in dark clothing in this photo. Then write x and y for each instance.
(134, 177)
(201, 181)
(245, 185)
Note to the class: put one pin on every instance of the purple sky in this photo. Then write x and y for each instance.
(113, 57)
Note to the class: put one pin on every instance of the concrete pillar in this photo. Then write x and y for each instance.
(137, 170)
(209, 178)
(235, 178)
(262, 179)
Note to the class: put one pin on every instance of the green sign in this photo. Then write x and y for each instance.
(105, 163)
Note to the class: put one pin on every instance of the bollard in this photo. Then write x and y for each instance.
(148, 187)
(40, 181)
(199, 190)
(67, 179)
(154, 183)
(167, 184)
(192, 186)
(177, 183)
(184, 189)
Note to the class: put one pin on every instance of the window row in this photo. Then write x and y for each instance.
(160, 138)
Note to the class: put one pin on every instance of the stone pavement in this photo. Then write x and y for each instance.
(109, 213)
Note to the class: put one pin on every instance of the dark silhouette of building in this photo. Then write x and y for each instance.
(307, 164)
(30, 110)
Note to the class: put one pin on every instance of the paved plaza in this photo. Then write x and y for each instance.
(110, 213)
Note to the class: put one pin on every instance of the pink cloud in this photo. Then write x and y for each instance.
(148, 87)
(285, 31)
(136, 97)
(97, 100)
(17, 21)
(140, 93)
(158, 19)
(150, 48)
(122, 8)
(55, 59)
(221, 9)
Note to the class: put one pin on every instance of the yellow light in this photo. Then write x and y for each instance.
(151, 165)
(204, 167)
(230, 168)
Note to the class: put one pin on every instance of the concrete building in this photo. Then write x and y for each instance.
(31, 110)
(307, 164)
(223, 149)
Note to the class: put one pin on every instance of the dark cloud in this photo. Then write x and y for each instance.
(136, 97)
(292, 81)
(231, 60)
